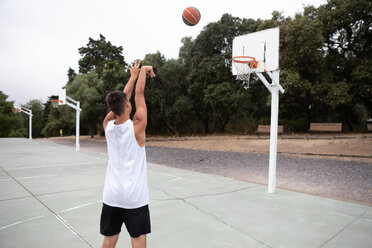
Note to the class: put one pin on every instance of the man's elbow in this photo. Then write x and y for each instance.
(140, 92)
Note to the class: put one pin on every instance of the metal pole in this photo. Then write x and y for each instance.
(273, 134)
(77, 126)
(30, 126)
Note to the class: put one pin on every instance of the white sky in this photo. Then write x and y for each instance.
(39, 39)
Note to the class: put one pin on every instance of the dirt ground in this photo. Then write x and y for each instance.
(349, 147)
(357, 147)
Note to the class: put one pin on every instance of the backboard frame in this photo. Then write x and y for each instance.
(62, 97)
(262, 45)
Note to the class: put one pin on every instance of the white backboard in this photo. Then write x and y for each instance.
(62, 97)
(262, 45)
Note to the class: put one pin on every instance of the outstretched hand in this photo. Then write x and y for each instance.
(149, 70)
(134, 69)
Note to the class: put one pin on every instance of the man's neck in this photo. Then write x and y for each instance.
(121, 119)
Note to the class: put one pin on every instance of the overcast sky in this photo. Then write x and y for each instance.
(39, 39)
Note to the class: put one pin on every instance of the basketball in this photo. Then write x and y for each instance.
(191, 16)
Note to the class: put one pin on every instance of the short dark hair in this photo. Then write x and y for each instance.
(115, 100)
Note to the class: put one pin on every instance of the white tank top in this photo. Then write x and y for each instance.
(126, 176)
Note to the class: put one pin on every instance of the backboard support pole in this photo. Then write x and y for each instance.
(30, 126)
(29, 113)
(264, 81)
(77, 126)
(273, 138)
(66, 100)
(274, 89)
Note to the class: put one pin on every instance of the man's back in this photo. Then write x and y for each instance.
(126, 175)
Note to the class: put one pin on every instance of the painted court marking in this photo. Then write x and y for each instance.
(20, 178)
(54, 165)
(58, 217)
(22, 221)
(175, 178)
(80, 206)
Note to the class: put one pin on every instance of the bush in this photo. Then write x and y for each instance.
(18, 133)
(296, 126)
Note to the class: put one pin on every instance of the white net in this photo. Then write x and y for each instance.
(244, 66)
(55, 103)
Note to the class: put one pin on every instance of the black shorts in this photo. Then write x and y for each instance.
(136, 220)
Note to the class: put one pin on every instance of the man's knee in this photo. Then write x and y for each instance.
(110, 241)
(139, 242)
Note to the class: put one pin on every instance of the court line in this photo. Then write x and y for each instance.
(175, 179)
(22, 221)
(184, 199)
(50, 193)
(20, 178)
(80, 206)
(54, 165)
(67, 191)
(50, 210)
(170, 175)
(345, 227)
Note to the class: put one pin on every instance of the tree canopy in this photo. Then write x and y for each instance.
(325, 63)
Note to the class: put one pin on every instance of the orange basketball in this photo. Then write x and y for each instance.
(191, 16)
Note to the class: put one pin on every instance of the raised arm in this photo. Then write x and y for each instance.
(140, 117)
(110, 116)
(134, 70)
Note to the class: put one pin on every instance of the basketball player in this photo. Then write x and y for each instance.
(125, 194)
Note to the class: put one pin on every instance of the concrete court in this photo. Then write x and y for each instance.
(50, 196)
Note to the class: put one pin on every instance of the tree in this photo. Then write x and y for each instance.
(211, 61)
(176, 105)
(55, 119)
(225, 99)
(325, 63)
(84, 89)
(303, 73)
(37, 108)
(100, 55)
(11, 124)
(346, 25)
(71, 75)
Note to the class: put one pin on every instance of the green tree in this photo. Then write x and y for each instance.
(325, 62)
(211, 61)
(11, 124)
(302, 70)
(177, 107)
(100, 55)
(101, 70)
(346, 25)
(70, 75)
(37, 108)
(55, 119)
(84, 89)
(225, 99)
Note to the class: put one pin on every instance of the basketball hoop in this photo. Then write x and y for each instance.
(244, 65)
(55, 103)
(16, 110)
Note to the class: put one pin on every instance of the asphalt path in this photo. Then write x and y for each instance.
(337, 179)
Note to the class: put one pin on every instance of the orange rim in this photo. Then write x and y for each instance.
(56, 100)
(250, 61)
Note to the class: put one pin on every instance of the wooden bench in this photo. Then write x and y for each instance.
(325, 127)
(266, 129)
